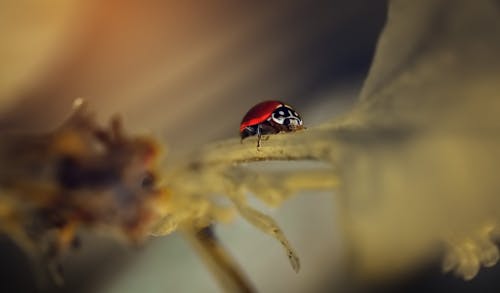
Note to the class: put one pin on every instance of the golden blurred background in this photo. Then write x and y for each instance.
(187, 72)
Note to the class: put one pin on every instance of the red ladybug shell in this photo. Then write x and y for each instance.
(259, 113)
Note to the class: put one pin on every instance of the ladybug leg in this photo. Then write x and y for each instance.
(259, 136)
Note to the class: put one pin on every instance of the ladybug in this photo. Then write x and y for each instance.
(269, 117)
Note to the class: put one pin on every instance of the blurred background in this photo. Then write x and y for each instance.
(186, 73)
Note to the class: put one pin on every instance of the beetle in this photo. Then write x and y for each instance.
(269, 117)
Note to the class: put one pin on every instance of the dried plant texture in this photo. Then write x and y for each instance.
(80, 176)
(415, 163)
(417, 158)
(217, 258)
(217, 181)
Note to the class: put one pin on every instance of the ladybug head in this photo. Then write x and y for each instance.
(286, 116)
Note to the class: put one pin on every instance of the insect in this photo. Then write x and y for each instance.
(269, 117)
